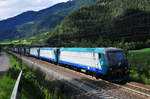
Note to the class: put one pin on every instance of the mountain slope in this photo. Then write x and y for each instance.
(112, 20)
(30, 24)
(20, 19)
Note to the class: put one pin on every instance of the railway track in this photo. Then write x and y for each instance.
(89, 86)
(138, 88)
(133, 88)
(128, 88)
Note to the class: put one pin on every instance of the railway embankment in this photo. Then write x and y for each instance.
(139, 64)
(35, 85)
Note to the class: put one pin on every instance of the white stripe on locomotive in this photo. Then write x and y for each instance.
(82, 58)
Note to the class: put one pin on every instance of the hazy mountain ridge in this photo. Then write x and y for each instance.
(33, 23)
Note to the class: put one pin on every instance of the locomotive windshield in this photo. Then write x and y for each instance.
(116, 58)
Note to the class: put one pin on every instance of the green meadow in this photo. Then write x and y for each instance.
(35, 85)
(6, 86)
(139, 61)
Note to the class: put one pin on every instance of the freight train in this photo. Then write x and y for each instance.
(108, 63)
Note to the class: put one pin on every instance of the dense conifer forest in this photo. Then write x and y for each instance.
(106, 23)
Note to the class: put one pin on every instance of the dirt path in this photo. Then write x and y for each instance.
(4, 63)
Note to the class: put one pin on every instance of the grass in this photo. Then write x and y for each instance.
(16, 42)
(139, 61)
(6, 86)
(34, 84)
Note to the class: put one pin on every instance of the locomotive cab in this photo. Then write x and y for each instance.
(118, 65)
(116, 58)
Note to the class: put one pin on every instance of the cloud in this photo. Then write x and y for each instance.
(10, 8)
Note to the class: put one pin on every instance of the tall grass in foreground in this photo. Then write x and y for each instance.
(139, 61)
(34, 84)
(6, 86)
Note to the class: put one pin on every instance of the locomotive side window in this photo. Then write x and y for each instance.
(116, 57)
(99, 55)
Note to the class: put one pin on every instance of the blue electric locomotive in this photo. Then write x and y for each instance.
(108, 63)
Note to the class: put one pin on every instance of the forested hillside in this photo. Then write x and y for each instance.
(33, 25)
(105, 23)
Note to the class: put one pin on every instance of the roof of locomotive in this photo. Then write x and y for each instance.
(96, 50)
(79, 49)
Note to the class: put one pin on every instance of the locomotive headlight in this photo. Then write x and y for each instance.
(126, 68)
(110, 69)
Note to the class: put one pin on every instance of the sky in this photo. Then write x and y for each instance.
(10, 8)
